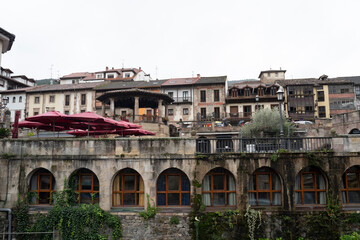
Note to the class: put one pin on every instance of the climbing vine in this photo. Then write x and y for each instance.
(72, 220)
(253, 219)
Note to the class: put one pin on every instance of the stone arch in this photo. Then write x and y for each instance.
(354, 131)
(350, 185)
(86, 184)
(40, 184)
(265, 187)
(219, 188)
(311, 185)
(173, 188)
(127, 188)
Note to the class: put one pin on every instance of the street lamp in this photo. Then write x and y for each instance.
(257, 102)
(280, 96)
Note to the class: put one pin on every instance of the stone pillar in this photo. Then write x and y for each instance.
(102, 109)
(166, 110)
(160, 107)
(136, 109)
(112, 107)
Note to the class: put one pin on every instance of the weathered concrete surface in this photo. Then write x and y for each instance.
(344, 123)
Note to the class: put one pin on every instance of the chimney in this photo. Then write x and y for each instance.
(198, 75)
(107, 68)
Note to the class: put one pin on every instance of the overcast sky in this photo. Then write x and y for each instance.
(182, 38)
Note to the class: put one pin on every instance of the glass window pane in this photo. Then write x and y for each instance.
(185, 184)
(173, 199)
(34, 182)
(185, 199)
(85, 198)
(275, 182)
(173, 182)
(321, 198)
(218, 182)
(161, 184)
(86, 182)
(352, 180)
(44, 182)
(96, 198)
(96, 181)
(354, 196)
(263, 182)
(129, 198)
(44, 197)
(161, 199)
(264, 199)
(129, 182)
(33, 198)
(117, 199)
(308, 181)
(219, 199)
(252, 199)
(298, 198)
(276, 199)
(309, 197)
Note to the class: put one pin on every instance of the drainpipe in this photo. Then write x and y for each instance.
(9, 219)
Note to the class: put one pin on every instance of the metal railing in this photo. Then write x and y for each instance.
(262, 145)
(239, 115)
(182, 99)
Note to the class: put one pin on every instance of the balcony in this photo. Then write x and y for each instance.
(182, 99)
(236, 117)
(251, 98)
(262, 145)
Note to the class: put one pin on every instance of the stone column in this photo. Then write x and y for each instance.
(166, 110)
(160, 107)
(112, 107)
(136, 109)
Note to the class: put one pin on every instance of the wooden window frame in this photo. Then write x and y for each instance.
(314, 189)
(38, 191)
(202, 95)
(83, 99)
(216, 95)
(269, 172)
(91, 191)
(347, 189)
(225, 191)
(121, 192)
(179, 191)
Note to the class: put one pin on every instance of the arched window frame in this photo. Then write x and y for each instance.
(137, 191)
(39, 174)
(314, 172)
(94, 189)
(270, 173)
(182, 193)
(218, 172)
(345, 189)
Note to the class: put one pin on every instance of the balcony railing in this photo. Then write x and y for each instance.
(182, 99)
(262, 145)
(239, 115)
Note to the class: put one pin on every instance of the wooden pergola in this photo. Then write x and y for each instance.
(135, 99)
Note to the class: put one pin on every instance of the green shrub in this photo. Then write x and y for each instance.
(4, 132)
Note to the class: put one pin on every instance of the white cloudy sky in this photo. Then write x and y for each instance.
(180, 38)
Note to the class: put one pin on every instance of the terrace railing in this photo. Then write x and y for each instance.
(262, 145)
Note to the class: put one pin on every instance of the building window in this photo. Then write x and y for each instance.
(67, 112)
(110, 76)
(203, 113)
(52, 98)
(350, 186)
(310, 187)
(128, 189)
(216, 112)
(185, 95)
(41, 187)
(264, 188)
(14, 99)
(268, 74)
(171, 94)
(123, 113)
(127, 75)
(67, 100)
(322, 112)
(260, 92)
(247, 92)
(346, 90)
(82, 110)
(273, 91)
(83, 99)
(259, 107)
(20, 99)
(185, 111)
(218, 188)
(321, 96)
(98, 75)
(216, 95)
(36, 111)
(170, 112)
(273, 106)
(86, 184)
(1, 83)
(202, 96)
(173, 188)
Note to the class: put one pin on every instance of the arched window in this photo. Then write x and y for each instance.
(173, 188)
(41, 187)
(310, 187)
(350, 185)
(86, 184)
(264, 188)
(218, 188)
(128, 189)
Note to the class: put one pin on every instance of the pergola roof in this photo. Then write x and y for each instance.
(125, 98)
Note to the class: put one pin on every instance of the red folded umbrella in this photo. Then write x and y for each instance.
(90, 133)
(49, 118)
(38, 125)
(136, 132)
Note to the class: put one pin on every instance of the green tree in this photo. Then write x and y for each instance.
(266, 123)
(4, 132)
